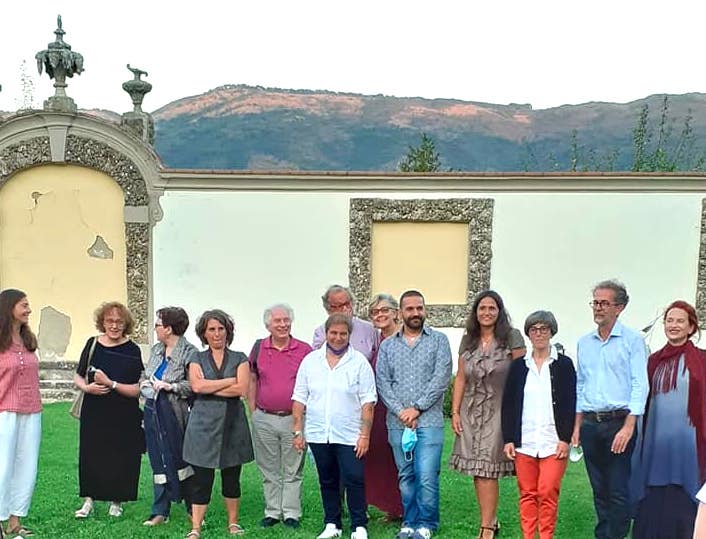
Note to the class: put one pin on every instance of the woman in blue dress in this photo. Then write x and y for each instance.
(671, 458)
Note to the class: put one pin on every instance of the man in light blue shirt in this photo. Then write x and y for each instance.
(611, 391)
(413, 372)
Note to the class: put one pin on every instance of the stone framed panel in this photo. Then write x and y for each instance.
(476, 213)
(100, 156)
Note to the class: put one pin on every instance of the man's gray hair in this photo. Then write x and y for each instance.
(620, 292)
(542, 317)
(333, 289)
(377, 298)
(267, 315)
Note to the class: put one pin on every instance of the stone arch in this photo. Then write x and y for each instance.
(36, 138)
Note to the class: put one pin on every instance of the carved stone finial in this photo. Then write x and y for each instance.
(137, 121)
(59, 29)
(59, 61)
(137, 88)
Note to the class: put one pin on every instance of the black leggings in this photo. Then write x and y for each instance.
(202, 484)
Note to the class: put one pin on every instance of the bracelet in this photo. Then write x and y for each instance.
(114, 386)
(363, 436)
(455, 413)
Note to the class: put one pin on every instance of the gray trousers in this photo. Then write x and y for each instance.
(280, 464)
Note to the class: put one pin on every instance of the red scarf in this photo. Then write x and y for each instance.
(663, 370)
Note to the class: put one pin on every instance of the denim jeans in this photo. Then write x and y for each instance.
(418, 474)
(337, 463)
(609, 474)
(161, 504)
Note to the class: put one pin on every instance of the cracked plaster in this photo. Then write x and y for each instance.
(100, 249)
(99, 156)
(54, 334)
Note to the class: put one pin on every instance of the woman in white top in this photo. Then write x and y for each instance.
(336, 387)
(538, 412)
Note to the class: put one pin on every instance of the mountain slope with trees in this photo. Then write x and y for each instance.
(245, 127)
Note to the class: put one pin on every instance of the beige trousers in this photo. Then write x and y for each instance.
(280, 464)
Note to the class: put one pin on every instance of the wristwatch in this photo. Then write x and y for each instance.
(296, 433)
(115, 384)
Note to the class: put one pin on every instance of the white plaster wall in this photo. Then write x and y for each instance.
(245, 250)
(549, 250)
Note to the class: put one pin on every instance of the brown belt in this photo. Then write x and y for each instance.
(280, 413)
(610, 415)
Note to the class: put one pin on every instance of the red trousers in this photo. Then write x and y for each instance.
(539, 481)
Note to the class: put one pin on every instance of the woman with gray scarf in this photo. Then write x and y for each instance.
(167, 391)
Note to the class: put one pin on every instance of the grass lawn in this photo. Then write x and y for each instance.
(55, 500)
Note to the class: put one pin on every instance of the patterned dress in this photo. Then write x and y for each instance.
(479, 449)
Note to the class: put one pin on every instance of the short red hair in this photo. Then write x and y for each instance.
(690, 312)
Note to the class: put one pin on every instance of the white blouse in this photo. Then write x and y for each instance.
(334, 397)
(539, 436)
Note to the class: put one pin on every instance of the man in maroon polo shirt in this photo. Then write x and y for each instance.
(274, 362)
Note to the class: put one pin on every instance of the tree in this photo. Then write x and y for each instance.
(26, 101)
(665, 154)
(423, 158)
(655, 149)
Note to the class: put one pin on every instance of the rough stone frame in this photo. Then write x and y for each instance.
(99, 156)
(701, 270)
(477, 212)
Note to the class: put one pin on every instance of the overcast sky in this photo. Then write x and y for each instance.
(542, 52)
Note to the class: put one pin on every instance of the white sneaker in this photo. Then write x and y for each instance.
(115, 509)
(360, 533)
(330, 531)
(422, 533)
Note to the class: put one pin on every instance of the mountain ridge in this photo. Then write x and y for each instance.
(239, 126)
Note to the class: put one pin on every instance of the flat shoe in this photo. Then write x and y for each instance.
(115, 510)
(21, 531)
(156, 520)
(193, 534)
(86, 509)
(235, 529)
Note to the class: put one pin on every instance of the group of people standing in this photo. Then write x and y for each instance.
(367, 400)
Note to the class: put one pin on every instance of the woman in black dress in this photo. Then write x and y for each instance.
(111, 439)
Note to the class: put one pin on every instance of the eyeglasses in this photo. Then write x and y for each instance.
(340, 306)
(603, 304)
(539, 330)
(114, 322)
(381, 310)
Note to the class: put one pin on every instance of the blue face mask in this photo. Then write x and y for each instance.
(409, 440)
